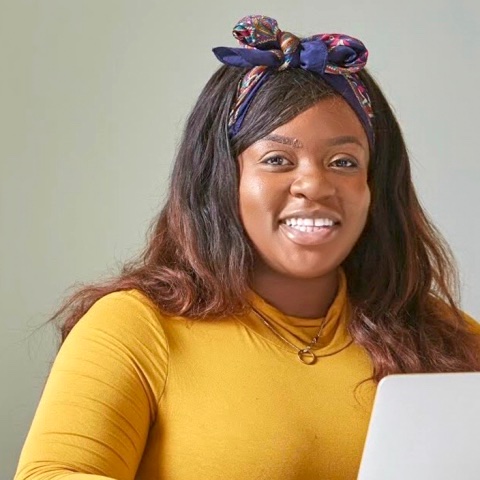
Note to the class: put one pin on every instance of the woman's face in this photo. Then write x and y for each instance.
(304, 196)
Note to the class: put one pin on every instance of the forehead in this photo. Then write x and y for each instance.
(327, 119)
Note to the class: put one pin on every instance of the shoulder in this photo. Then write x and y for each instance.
(121, 332)
(473, 324)
(442, 309)
(127, 300)
(128, 311)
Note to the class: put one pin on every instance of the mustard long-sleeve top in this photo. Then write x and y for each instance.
(134, 394)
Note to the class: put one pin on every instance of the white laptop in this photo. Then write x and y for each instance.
(424, 427)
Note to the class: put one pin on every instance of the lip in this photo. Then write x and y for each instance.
(325, 234)
(317, 213)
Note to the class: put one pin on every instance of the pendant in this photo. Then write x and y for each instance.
(306, 356)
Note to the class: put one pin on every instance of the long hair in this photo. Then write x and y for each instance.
(198, 261)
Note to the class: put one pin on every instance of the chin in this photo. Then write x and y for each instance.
(308, 273)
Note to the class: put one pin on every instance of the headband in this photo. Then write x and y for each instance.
(265, 48)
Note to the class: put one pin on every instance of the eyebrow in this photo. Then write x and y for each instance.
(343, 140)
(293, 142)
(273, 137)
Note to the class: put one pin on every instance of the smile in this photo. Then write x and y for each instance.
(309, 231)
(309, 224)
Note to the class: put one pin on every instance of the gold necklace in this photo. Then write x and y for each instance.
(305, 355)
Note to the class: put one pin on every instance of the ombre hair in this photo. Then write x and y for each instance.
(198, 261)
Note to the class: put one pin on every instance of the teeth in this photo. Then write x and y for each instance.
(324, 222)
(307, 224)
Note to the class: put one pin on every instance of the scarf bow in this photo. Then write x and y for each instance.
(336, 57)
(264, 44)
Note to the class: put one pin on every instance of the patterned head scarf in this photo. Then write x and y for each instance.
(265, 48)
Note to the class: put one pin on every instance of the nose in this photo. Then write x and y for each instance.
(313, 184)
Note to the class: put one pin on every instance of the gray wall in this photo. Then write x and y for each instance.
(93, 94)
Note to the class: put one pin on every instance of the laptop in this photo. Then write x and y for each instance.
(424, 427)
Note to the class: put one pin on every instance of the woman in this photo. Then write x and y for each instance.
(291, 269)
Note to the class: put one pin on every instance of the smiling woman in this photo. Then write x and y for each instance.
(291, 269)
(304, 201)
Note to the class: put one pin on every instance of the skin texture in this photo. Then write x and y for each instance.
(315, 165)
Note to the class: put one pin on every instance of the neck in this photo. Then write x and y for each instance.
(299, 297)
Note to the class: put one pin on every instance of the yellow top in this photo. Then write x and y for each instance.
(134, 394)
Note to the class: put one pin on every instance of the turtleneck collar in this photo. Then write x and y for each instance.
(299, 330)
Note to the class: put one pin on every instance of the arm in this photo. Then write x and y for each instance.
(100, 399)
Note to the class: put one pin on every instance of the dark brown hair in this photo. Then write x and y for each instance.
(198, 261)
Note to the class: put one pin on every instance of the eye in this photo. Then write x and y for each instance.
(343, 163)
(276, 161)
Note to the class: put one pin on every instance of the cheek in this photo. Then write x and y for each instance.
(364, 197)
(357, 198)
(258, 199)
(366, 206)
(250, 193)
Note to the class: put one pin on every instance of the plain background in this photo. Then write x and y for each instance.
(93, 96)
